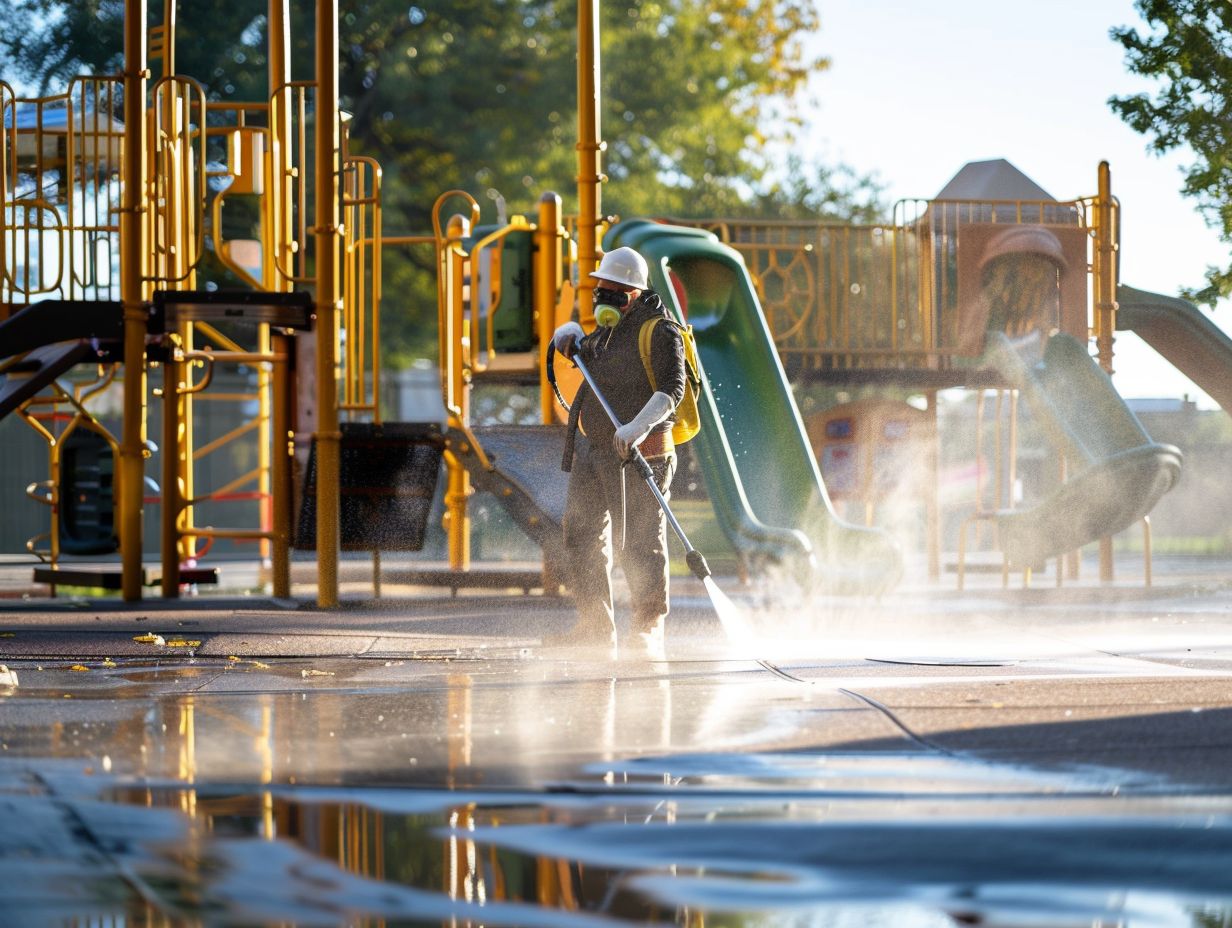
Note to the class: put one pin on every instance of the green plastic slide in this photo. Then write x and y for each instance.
(1184, 335)
(1118, 472)
(753, 451)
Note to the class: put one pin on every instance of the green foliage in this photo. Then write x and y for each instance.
(49, 43)
(697, 100)
(1189, 51)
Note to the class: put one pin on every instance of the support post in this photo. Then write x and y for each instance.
(1105, 309)
(547, 282)
(171, 451)
(590, 154)
(134, 257)
(457, 399)
(275, 223)
(328, 234)
(280, 465)
(932, 519)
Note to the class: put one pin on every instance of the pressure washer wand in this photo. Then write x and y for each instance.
(693, 557)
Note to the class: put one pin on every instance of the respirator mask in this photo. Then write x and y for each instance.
(608, 304)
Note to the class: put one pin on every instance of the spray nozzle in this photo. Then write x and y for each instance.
(697, 564)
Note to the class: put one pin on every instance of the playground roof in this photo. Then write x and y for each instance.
(996, 179)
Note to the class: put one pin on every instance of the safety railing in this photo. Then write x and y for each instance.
(453, 270)
(848, 297)
(43, 414)
(8, 129)
(361, 299)
(468, 305)
(252, 485)
(292, 109)
(178, 159)
(292, 230)
(60, 161)
(469, 293)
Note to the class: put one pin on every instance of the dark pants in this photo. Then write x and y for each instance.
(593, 532)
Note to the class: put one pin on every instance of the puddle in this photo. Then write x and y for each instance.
(541, 794)
(308, 856)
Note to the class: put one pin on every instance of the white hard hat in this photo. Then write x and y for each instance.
(623, 266)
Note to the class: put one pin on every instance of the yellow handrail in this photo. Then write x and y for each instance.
(178, 155)
(361, 319)
(292, 178)
(516, 224)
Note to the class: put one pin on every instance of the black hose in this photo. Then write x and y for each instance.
(551, 374)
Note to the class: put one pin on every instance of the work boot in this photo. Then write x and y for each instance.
(648, 638)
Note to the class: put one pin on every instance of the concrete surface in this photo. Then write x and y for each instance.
(1001, 757)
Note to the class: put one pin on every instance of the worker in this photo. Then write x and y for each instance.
(604, 511)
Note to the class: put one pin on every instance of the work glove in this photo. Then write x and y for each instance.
(566, 337)
(631, 434)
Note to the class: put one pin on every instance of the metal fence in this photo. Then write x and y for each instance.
(850, 297)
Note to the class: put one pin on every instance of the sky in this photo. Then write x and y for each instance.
(916, 90)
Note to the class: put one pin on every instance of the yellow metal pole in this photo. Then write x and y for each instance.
(1105, 310)
(547, 281)
(457, 401)
(590, 154)
(7, 103)
(177, 437)
(265, 433)
(172, 443)
(932, 503)
(170, 7)
(328, 235)
(133, 262)
(280, 467)
(56, 503)
(275, 238)
(186, 519)
(279, 68)
(457, 517)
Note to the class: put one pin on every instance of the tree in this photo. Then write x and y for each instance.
(1189, 50)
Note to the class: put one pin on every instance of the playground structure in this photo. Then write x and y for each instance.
(114, 193)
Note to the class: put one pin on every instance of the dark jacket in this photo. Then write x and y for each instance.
(614, 360)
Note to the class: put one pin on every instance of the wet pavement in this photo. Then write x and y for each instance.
(1046, 757)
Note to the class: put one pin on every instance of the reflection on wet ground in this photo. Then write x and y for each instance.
(897, 783)
(532, 859)
(212, 855)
